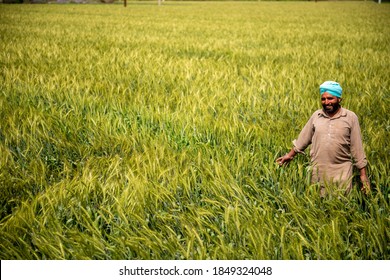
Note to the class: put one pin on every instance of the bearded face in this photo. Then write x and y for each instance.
(330, 103)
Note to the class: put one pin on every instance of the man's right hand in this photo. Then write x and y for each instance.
(286, 158)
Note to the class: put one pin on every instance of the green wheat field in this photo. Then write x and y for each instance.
(150, 132)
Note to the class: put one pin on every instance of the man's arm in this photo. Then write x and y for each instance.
(358, 155)
(365, 181)
(300, 144)
(286, 158)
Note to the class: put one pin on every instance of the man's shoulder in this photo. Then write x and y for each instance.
(318, 113)
(343, 113)
(348, 113)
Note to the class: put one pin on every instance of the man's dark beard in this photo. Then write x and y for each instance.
(335, 107)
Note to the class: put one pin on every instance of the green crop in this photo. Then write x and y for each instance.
(151, 132)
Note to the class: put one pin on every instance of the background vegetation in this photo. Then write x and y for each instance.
(150, 132)
(140, 1)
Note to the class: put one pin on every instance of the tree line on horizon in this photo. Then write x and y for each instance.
(121, 1)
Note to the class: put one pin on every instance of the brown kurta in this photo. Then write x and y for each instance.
(336, 145)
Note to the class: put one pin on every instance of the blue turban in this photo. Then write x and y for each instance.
(332, 88)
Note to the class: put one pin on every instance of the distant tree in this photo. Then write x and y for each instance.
(12, 1)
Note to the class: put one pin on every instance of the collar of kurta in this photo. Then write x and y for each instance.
(341, 113)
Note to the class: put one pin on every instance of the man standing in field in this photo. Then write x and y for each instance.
(336, 143)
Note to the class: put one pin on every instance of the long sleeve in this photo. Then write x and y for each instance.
(357, 151)
(305, 136)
